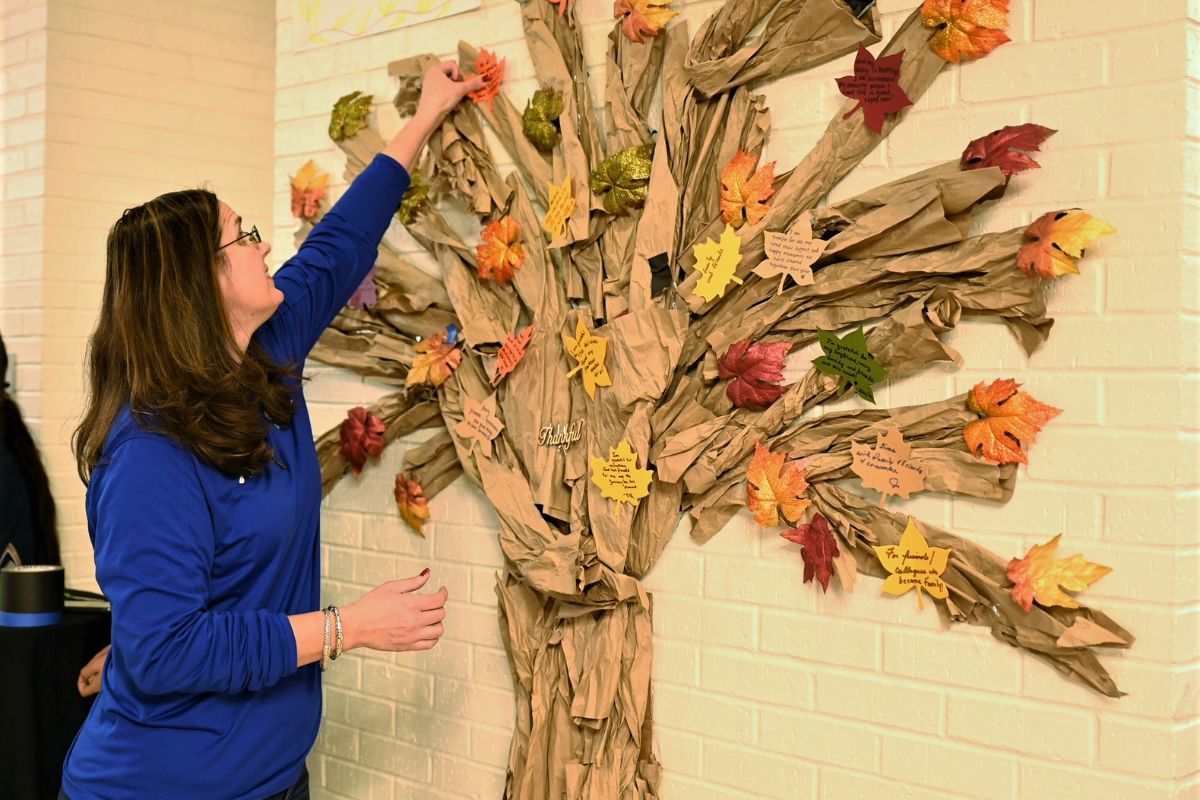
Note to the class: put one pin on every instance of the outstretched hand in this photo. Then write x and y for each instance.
(393, 617)
(444, 88)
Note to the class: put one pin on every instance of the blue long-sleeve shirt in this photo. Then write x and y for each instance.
(202, 698)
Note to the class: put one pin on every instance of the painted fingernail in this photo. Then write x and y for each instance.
(424, 572)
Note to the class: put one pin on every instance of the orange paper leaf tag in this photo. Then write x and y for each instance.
(791, 254)
(620, 478)
(492, 71)
(480, 423)
(775, 488)
(500, 255)
(913, 564)
(561, 206)
(1039, 576)
(1058, 238)
(511, 353)
(717, 262)
(744, 190)
(966, 29)
(1012, 420)
(590, 351)
(887, 467)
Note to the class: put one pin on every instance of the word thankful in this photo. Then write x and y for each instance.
(562, 435)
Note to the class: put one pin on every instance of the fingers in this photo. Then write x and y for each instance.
(429, 602)
(431, 617)
(473, 84)
(450, 70)
(414, 583)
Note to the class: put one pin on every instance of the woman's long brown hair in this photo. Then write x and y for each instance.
(164, 346)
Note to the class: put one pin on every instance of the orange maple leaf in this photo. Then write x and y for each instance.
(411, 502)
(1038, 576)
(967, 29)
(435, 360)
(1057, 239)
(743, 190)
(562, 5)
(501, 254)
(492, 70)
(642, 17)
(1012, 420)
(775, 487)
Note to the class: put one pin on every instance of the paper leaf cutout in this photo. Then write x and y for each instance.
(539, 121)
(500, 254)
(361, 436)
(642, 17)
(561, 205)
(492, 71)
(436, 359)
(480, 423)
(1039, 576)
(415, 197)
(913, 564)
(775, 488)
(887, 467)
(590, 351)
(620, 478)
(349, 115)
(366, 295)
(875, 85)
(819, 549)
(623, 178)
(848, 358)
(1058, 238)
(717, 262)
(511, 352)
(791, 254)
(411, 502)
(1012, 420)
(744, 190)
(562, 5)
(967, 29)
(756, 370)
(309, 187)
(1003, 149)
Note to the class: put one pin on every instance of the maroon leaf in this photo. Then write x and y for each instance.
(362, 436)
(875, 85)
(1000, 148)
(366, 295)
(819, 549)
(756, 370)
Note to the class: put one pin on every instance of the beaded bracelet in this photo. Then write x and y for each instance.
(337, 620)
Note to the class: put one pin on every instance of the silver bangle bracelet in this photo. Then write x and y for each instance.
(337, 621)
(325, 646)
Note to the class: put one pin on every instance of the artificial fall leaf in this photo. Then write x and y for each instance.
(492, 71)
(875, 84)
(366, 295)
(848, 358)
(819, 549)
(590, 351)
(411, 502)
(775, 488)
(642, 17)
(887, 467)
(539, 121)
(623, 178)
(791, 254)
(309, 187)
(756, 370)
(967, 29)
(436, 358)
(1011, 421)
(1003, 148)
(913, 564)
(717, 263)
(744, 190)
(500, 255)
(415, 197)
(1039, 576)
(620, 478)
(349, 115)
(480, 424)
(1057, 239)
(511, 352)
(361, 436)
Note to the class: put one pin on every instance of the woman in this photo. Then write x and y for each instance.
(27, 515)
(204, 492)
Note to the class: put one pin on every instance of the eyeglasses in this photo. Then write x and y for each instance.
(253, 236)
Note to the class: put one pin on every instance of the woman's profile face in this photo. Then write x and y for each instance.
(249, 291)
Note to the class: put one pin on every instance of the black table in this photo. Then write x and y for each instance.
(40, 708)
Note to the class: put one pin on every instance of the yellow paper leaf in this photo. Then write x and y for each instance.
(480, 423)
(913, 564)
(716, 262)
(561, 206)
(590, 351)
(791, 254)
(887, 467)
(620, 478)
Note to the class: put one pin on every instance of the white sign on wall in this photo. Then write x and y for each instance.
(322, 22)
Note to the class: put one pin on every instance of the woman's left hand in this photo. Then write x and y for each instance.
(88, 682)
(443, 88)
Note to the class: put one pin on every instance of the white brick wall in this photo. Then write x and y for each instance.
(763, 686)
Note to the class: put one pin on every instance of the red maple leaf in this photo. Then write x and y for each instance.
(1000, 148)
(362, 436)
(756, 370)
(819, 549)
(875, 85)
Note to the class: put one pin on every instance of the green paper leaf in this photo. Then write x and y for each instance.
(414, 198)
(623, 178)
(848, 358)
(349, 115)
(540, 119)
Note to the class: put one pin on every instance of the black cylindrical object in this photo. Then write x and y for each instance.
(31, 595)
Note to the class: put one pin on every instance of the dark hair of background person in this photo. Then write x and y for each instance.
(164, 346)
(38, 518)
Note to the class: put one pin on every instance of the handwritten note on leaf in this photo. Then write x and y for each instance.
(620, 478)
(887, 467)
(480, 423)
(590, 351)
(847, 357)
(561, 206)
(511, 353)
(913, 564)
(791, 254)
(716, 262)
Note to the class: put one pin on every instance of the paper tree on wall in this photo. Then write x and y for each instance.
(613, 353)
